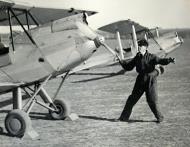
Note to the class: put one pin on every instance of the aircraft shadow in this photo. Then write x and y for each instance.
(33, 115)
(10, 101)
(6, 103)
(4, 111)
(108, 75)
(38, 115)
(113, 119)
(4, 133)
(96, 118)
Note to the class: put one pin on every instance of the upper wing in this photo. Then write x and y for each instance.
(41, 15)
(124, 27)
(166, 42)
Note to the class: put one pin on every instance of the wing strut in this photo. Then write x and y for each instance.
(151, 35)
(157, 32)
(134, 48)
(11, 31)
(61, 84)
(22, 26)
(120, 45)
(26, 14)
(32, 17)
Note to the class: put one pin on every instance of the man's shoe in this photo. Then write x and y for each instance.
(160, 119)
(120, 119)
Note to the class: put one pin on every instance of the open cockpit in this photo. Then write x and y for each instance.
(4, 54)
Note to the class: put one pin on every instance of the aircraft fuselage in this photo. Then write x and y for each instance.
(60, 46)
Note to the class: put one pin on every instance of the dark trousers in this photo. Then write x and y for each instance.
(144, 83)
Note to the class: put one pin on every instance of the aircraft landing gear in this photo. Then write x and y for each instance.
(17, 122)
(63, 110)
(58, 109)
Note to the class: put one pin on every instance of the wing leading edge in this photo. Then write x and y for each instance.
(123, 26)
(41, 14)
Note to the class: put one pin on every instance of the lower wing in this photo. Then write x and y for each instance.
(4, 87)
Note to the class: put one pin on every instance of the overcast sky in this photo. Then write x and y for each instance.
(150, 13)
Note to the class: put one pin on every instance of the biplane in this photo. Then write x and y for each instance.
(59, 40)
(59, 43)
(122, 36)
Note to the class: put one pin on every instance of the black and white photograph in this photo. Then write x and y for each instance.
(94, 73)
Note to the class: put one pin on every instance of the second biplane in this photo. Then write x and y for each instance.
(123, 36)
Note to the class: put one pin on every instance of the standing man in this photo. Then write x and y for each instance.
(146, 80)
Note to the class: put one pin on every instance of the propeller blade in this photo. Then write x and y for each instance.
(87, 31)
(111, 51)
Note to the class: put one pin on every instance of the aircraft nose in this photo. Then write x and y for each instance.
(99, 40)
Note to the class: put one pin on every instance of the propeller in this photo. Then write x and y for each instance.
(111, 51)
(98, 40)
(87, 31)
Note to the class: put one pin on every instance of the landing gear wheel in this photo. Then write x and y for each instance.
(17, 122)
(63, 110)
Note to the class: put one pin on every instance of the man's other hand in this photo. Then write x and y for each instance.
(172, 60)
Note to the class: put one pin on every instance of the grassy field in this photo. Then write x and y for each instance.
(98, 98)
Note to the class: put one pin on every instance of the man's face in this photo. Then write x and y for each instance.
(142, 49)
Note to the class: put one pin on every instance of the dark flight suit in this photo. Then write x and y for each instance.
(146, 81)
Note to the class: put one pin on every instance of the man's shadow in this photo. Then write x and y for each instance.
(114, 120)
(10, 101)
(39, 115)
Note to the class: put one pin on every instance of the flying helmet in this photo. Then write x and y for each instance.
(142, 42)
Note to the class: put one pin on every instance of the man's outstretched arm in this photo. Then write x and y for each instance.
(128, 65)
(164, 61)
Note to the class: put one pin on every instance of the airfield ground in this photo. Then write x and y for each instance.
(98, 98)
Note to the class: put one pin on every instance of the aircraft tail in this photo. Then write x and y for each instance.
(170, 41)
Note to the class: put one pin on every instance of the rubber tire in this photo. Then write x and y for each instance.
(17, 118)
(64, 109)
